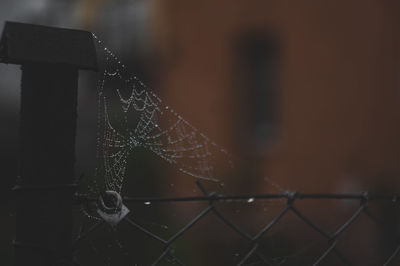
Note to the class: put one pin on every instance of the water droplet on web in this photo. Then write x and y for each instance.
(147, 203)
(250, 200)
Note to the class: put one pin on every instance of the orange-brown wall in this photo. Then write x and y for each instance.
(338, 84)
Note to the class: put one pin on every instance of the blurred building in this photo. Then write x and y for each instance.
(307, 91)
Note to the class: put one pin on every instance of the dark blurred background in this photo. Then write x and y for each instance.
(304, 93)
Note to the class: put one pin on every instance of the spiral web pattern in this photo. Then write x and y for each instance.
(131, 116)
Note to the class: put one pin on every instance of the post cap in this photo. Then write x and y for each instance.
(23, 43)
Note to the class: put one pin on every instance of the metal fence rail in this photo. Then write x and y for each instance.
(254, 240)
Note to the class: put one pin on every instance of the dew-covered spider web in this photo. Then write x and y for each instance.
(131, 115)
(251, 230)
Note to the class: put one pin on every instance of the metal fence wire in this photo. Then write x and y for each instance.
(254, 255)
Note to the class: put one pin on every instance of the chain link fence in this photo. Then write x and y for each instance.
(329, 253)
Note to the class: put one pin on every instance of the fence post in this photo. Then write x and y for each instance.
(50, 59)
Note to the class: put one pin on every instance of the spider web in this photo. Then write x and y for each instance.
(131, 115)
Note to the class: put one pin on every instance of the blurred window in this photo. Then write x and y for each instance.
(258, 52)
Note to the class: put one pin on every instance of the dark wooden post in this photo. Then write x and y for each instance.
(50, 59)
